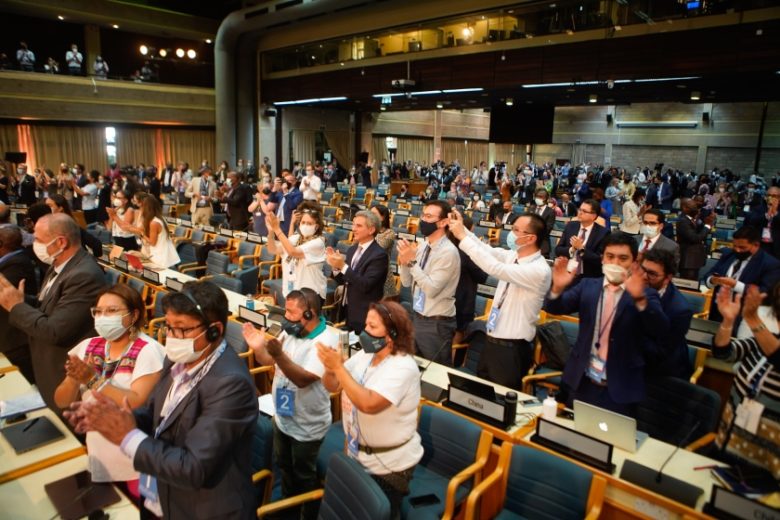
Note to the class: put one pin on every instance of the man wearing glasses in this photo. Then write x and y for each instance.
(192, 440)
(583, 241)
(671, 358)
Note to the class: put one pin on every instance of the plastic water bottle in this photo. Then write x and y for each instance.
(549, 408)
(250, 302)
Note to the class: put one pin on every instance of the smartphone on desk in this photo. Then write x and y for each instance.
(566, 413)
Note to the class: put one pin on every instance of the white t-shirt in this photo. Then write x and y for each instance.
(107, 463)
(397, 379)
(307, 271)
(311, 418)
(311, 191)
(89, 200)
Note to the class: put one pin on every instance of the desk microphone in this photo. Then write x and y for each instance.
(676, 449)
(430, 361)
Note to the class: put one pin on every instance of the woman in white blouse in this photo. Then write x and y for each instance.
(632, 213)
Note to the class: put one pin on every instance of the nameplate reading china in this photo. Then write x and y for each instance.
(477, 404)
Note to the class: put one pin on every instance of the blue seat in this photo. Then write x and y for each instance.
(332, 443)
(227, 282)
(111, 275)
(234, 337)
(455, 450)
(248, 254)
(216, 263)
(534, 484)
(274, 287)
(262, 459)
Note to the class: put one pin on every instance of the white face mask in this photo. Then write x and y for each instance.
(614, 273)
(41, 251)
(539, 202)
(649, 231)
(229, 183)
(307, 230)
(117, 203)
(110, 327)
(182, 350)
(20, 171)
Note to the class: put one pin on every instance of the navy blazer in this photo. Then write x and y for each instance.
(762, 269)
(630, 340)
(591, 257)
(671, 353)
(292, 199)
(665, 196)
(757, 218)
(365, 283)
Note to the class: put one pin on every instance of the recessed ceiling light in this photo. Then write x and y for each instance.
(509, 101)
(208, 40)
(179, 52)
(144, 50)
(163, 53)
(695, 95)
(593, 98)
(439, 106)
(383, 108)
(191, 54)
(60, 17)
(115, 26)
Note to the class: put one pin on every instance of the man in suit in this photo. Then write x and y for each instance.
(746, 264)
(620, 318)
(652, 197)
(567, 207)
(363, 271)
(652, 238)
(287, 196)
(26, 185)
(238, 196)
(547, 214)
(201, 191)
(692, 237)
(61, 317)
(749, 200)
(665, 195)
(192, 440)
(16, 266)
(768, 221)
(582, 240)
(507, 214)
(671, 355)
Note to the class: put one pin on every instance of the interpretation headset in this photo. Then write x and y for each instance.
(392, 331)
(212, 332)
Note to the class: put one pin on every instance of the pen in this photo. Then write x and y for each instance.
(30, 424)
(2, 375)
(711, 466)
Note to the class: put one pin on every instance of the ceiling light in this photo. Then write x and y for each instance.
(115, 26)
(191, 54)
(60, 17)
(144, 49)
(208, 40)
(425, 92)
(383, 108)
(695, 95)
(593, 98)
(310, 100)
(461, 90)
(439, 106)
(509, 101)
(503, 56)
(180, 52)
(163, 53)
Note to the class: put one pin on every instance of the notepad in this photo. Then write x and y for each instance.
(21, 404)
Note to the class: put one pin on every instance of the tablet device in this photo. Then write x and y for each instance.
(28, 435)
(77, 496)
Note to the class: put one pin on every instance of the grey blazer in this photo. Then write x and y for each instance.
(60, 320)
(202, 457)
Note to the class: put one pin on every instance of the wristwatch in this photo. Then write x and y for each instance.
(411, 264)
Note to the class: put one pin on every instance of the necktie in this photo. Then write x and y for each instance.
(735, 269)
(356, 256)
(47, 283)
(425, 255)
(607, 316)
(647, 245)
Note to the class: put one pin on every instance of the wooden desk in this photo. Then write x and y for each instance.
(436, 374)
(25, 497)
(13, 465)
(6, 365)
(626, 498)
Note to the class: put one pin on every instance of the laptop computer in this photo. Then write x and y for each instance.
(614, 428)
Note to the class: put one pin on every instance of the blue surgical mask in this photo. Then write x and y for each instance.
(511, 241)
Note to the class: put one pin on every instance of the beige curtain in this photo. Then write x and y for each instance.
(415, 149)
(338, 142)
(512, 154)
(379, 149)
(9, 139)
(303, 145)
(193, 146)
(55, 144)
(476, 151)
(135, 145)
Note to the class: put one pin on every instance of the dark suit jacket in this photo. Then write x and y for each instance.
(16, 268)
(60, 321)
(762, 269)
(365, 283)
(548, 215)
(202, 457)
(665, 196)
(570, 210)
(292, 199)
(671, 354)
(466, 292)
(691, 238)
(652, 195)
(591, 257)
(758, 219)
(238, 201)
(628, 341)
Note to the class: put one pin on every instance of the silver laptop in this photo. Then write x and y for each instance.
(618, 430)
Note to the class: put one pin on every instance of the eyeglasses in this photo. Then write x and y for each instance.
(652, 274)
(586, 211)
(106, 311)
(181, 332)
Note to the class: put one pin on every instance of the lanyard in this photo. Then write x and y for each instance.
(600, 319)
(113, 365)
(169, 407)
(506, 291)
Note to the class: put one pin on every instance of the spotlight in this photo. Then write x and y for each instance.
(503, 56)
(191, 54)
(593, 98)
(695, 95)
(208, 40)
(163, 53)
(60, 17)
(509, 101)
(383, 108)
(115, 26)
(179, 52)
(439, 106)
(144, 50)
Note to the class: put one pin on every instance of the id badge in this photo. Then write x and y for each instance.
(746, 209)
(492, 320)
(419, 301)
(353, 437)
(596, 368)
(749, 414)
(285, 402)
(290, 287)
(147, 488)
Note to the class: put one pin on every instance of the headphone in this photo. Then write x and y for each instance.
(392, 331)
(312, 300)
(212, 332)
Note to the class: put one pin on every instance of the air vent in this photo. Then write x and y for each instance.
(284, 5)
(253, 14)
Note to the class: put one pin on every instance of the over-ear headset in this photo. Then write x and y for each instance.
(392, 330)
(312, 303)
(212, 332)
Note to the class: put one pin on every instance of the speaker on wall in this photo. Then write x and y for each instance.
(609, 119)
(16, 157)
(705, 117)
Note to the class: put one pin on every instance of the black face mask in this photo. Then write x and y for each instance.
(371, 344)
(292, 328)
(428, 228)
(266, 191)
(741, 255)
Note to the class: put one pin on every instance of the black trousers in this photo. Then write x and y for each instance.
(506, 362)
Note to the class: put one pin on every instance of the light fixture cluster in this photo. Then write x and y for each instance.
(153, 52)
